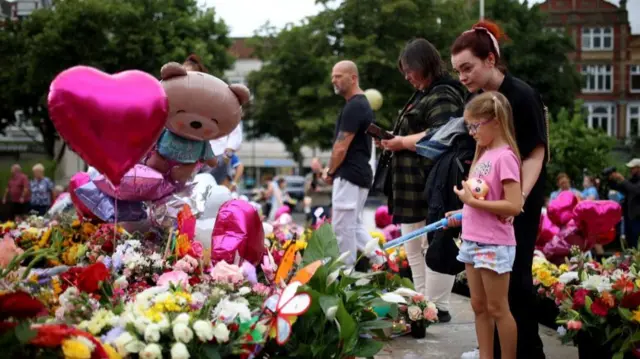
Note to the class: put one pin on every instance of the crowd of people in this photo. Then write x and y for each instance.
(23, 196)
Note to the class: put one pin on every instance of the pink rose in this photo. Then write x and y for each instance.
(574, 325)
(176, 278)
(196, 249)
(430, 314)
(261, 289)
(225, 272)
(418, 298)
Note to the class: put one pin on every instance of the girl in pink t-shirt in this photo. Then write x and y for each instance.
(488, 240)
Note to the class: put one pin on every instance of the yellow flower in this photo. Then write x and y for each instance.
(153, 314)
(33, 278)
(45, 238)
(75, 349)
(545, 277)
(563, 268)
(300, 245)
(379, 236)
(55, 284)
(112, 353)
(75, 224)
(88, 228)
(636, 315)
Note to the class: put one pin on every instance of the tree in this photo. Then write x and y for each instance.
(111, 35)
(293, 96)
(576, 147)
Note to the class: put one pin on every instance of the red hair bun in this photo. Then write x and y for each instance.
(493, 28)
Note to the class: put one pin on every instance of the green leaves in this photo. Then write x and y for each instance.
(323, 244)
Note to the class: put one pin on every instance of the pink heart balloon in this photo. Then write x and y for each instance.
(111, 121)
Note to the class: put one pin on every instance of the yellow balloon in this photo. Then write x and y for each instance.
(375, 98)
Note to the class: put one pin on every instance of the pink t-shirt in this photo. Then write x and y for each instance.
(494, 167)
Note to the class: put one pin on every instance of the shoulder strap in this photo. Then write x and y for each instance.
(547, 121)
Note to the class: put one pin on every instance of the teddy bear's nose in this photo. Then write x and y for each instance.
(195, 124)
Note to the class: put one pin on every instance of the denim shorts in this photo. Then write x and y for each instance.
(498, 258)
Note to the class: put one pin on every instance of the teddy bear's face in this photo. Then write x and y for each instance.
(201, 107)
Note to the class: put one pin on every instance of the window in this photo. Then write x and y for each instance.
(599, 78)
(633, 119)
(602, 116)
(597, 38)
(634, 78)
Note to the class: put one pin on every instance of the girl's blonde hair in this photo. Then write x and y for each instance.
(493, 105)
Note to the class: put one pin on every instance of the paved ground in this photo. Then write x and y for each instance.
(450, 340)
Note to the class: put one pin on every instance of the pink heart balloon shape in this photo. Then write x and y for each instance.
(111, 121)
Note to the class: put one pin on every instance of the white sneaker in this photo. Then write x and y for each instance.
(474, 354)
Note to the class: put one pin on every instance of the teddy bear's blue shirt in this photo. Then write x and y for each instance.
(183, 150)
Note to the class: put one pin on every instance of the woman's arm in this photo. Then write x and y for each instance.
(531, 168)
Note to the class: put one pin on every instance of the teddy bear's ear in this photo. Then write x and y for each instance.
(172, 69)
(242, 93)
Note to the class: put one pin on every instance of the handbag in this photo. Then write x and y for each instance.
(382, 176)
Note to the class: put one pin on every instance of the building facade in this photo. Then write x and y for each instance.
(608, 56)
(16, 9)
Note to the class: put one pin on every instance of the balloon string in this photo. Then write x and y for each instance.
(115, 219)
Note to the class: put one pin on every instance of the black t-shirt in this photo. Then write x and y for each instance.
(354, 118)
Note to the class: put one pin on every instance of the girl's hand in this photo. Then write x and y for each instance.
(451, 221)
(394, 144)
(464, 194)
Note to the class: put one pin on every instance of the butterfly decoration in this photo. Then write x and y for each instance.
(283, 308)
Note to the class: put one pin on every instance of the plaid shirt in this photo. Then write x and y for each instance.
(430, 109)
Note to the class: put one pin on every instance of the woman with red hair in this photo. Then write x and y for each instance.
(476, 57)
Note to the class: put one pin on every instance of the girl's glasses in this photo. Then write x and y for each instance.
(473, 127)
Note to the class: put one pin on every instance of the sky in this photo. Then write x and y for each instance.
(246, 16)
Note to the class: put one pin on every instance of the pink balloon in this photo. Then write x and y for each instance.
(141, 183)
(111, 121)
(391, 232)
(560, 210)
(556, 250)
(78, 180)
(596, 218)
(238, 229)
(547, 231)
(382, 217)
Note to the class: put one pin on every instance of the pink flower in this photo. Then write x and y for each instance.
(574, 325)
(418, 298)
(430, 314)
(261, 289)
(8, 250)
(196, 249)
(225, 272)
(176, 278)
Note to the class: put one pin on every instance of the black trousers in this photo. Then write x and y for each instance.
(522, 297)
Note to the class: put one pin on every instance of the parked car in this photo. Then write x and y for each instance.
(295, 188)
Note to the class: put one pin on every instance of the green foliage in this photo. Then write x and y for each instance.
(111, 35)
(575, 146)
(294, 99)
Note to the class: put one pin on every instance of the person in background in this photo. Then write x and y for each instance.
(630, 188)
(564, 184)
(349, 171)
(57, 191)
(589, 190)
(17, 193)
(236, 170)
(317, 193)
(278, 196)
(41, 190)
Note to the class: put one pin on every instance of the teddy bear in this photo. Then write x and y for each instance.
(201, 108)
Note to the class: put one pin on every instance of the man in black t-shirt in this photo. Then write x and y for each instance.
(349, 168)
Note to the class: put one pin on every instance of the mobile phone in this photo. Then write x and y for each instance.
(378, 133)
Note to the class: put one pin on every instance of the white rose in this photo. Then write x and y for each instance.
(221, 333)
(152, 333)
(126, 344)
(414, 312)
(121, 283)
(244, 291)
(204, 330)
(141, 324)
(182, 333)
(183, 318)
(151, 351)
(179, 351)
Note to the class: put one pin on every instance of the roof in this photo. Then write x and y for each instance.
(601, 4)
(240, 49)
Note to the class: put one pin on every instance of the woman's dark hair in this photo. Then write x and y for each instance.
(420, 55)
(479, 42)
(562, 175)
(280, 180)
(194, 60)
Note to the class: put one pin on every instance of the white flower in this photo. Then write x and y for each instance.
(141, 324)
(343, 256)
(363, 281)
(198, 299)
(431, 305)
(221, 333)
(371, 247)
(152, 333)
(204, 330)
(87, 343)
(332, 277)
(414, 312)
(228, 311)
(331, 312)
(597, 282)
(182, 332)
(405, 292)
(617, 274)
(121, 283)
(562, 331)
(244, 291)
(393, 298)
(568, 277)
(179, 351)
(126, 344)
(183, 318)
(151, 351)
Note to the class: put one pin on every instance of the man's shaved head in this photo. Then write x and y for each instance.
(344, 78)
